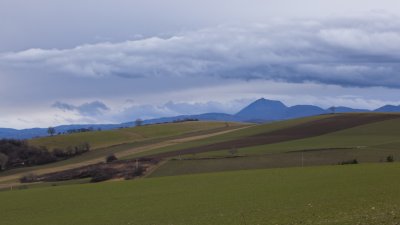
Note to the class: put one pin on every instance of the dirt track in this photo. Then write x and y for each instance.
(310, 129)
(121, 154)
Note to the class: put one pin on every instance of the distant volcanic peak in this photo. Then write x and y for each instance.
(267, 102)
(263, 109)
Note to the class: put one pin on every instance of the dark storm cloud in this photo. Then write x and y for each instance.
(360, 51)
(65, 24)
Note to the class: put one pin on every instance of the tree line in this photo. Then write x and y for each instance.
(18, 153)
(52, 131)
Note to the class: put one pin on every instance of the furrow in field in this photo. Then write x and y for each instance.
(300, 131)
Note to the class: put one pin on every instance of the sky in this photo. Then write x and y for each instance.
(112, 61)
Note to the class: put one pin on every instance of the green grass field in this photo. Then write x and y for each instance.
(367, 143)
(251, 130)
(380, 135)
(372, 142)
(355, 194)
(375, 137)
(151, 134)
(261, 184)
(101, 139)
(192, 164)
(45, 184)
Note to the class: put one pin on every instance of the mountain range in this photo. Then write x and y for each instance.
(260, 111)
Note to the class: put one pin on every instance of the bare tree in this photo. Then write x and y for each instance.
(139, 122)
(3, 161)
(51, 131)
(332, 109)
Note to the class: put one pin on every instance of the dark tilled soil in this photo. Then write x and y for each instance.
(306, 130)
(126, 169)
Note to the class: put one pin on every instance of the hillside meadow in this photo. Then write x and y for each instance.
(295, 180)
(156, 136)
(101, 139)
(372, 142)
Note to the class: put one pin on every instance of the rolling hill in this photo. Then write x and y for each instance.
(122, 143)
(101, 139)
(232, 175)
(321, 140)
(324, 139)
(260, 111)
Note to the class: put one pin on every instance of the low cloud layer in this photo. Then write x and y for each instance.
(95, 108)
(98, 111)
(149, 111)
(360, 51)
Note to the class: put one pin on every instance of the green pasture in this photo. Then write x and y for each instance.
(352, 194)
(380, 136)
(251, 130)
(101, 139)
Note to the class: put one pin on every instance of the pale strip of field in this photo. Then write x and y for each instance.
(125, 153)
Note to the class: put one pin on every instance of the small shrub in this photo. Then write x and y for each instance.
(103, 175)
(59, 153)
(29, 178)
(3, 161)
(233, 151)
(138, 171)
(390, 158)
(353, 161)
(111, 158)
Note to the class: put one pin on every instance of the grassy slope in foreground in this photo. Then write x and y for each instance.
(360, 194)
(99, 139)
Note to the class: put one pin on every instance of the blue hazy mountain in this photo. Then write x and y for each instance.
(303, 111)
(259, 111)
(22, 134)
(205, 116)
(262, 110)
(342, 109)
(40, 132)
(388, 108)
